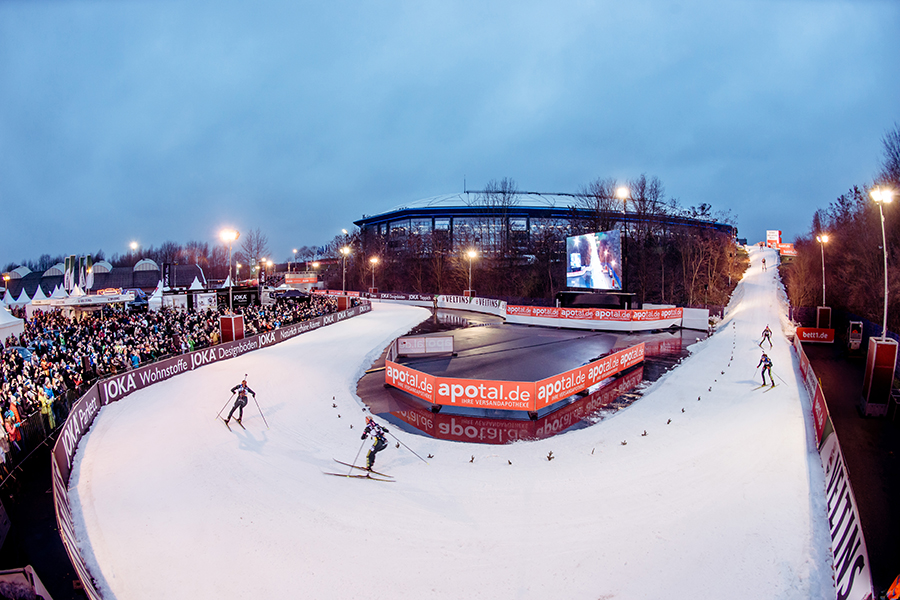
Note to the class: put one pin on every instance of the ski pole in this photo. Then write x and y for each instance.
(226, 405)
(779, 377)
(357, 455)
(407, 447)
(260, 411)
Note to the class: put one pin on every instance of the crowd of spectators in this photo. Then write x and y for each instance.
(51, 364)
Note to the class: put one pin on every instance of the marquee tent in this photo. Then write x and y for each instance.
(10, 325)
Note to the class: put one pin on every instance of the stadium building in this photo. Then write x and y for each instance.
(463, 218)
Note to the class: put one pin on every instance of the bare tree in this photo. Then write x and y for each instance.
(599, 197)
(254, 246)
(890, 165)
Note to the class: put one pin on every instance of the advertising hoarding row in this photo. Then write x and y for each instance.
(528, 396)
(852, 575)
(486, 430)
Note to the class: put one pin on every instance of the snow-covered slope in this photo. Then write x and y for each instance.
(722, 498)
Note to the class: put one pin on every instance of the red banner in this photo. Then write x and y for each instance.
(595, 314)
(477, 393)
(812, 334)
(509, 395)
(553, 389)
(409, 380)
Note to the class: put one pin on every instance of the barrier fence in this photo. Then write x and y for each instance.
(530, 396)
(852, 575)
(611, 319)
(85, 410)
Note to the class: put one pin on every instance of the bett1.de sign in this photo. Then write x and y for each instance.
(813, 334)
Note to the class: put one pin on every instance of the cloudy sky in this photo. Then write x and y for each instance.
(154, 121)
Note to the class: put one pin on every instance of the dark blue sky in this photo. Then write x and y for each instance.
(155, 121)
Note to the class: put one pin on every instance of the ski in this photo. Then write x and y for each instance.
(362, 469)
(361, 477)
(226, 424)
(772, 387)
(758, 387)
(239, 423)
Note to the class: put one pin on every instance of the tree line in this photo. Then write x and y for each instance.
(853, 257)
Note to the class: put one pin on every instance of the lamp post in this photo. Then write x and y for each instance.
(344, 252)
(882, 356)
(229, 236)
(238, 267)
(373, 261)
(623, 193)
(471, 254)
(883, 196)
(295, 260)
(823, 239)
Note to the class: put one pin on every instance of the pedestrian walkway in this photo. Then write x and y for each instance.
(871, 449)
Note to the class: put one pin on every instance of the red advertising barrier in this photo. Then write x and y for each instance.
(595, 314)
(509, 395)
(485, 430)
(414, 382)
(813, 334)
(477, 393)
(554, 389)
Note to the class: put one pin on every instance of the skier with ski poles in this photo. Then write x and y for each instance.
(766, 363)
(766, 336)
(242, 388)
(378, 434)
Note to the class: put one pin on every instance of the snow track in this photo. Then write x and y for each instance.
(726, 500)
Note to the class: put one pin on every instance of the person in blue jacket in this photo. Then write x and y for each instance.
(766, 364)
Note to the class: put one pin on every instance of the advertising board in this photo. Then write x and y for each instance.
(594, 261)
(812, 334)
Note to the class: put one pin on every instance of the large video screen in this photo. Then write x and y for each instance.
(594, 261)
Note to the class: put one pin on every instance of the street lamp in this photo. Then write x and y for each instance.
(295, 260)
(471, 254)
(623, 193)
(238, 267)
(883, 196)
(229, 236)
(344, 252)
(823, 239)
(374, 261)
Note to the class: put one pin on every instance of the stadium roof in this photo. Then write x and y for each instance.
(472, 199)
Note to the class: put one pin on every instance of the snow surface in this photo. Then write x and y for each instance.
(726, 501)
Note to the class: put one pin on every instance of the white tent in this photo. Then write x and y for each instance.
(59, 292)
(227, 283)
(76, 292)
(7, 298)
(154, 302)
(196, 285)
(23, 298)
(9, 325)
(39, 294)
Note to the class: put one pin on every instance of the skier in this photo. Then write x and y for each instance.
(241, 401)
(378, 432)
(766, 336)
(766, 363)
(764, 264)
